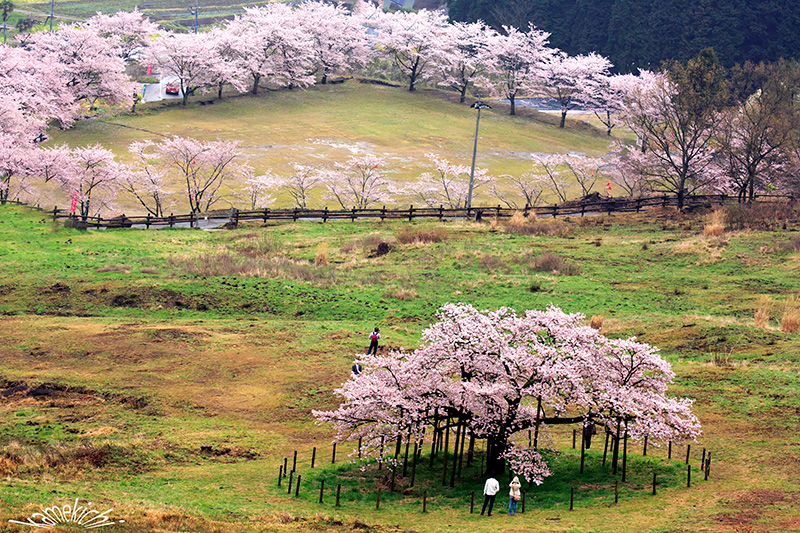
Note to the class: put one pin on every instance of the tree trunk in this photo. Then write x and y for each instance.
(494, 463)
(256, 80)
(324, 79)
(513, 105)
(463, 95)
(564, 121)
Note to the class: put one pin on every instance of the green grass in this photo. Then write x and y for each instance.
(165, 354)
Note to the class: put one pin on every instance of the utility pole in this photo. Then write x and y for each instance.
(52, 6)
(477, 105)
(195, 10)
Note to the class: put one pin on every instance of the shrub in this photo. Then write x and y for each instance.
(258, 245)
(401, 294)
(490, 263)
(790, 322)
(535, 226)
(368, 242)
(597, 322)
(114, 268)
(550, 262)
(417, 235)
(758, 215)
(762, 313)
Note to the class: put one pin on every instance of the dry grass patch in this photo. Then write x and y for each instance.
(418, 235)
(321, 259)
(532, 225)
(715, 224)
(399, 293)
(550, 262)
(790, 321)
(762, 313)
(115, 268)
(597, 322)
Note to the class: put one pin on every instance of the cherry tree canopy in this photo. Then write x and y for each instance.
(502, 374)
(130, 30)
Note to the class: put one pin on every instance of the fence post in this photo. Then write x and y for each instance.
(313, 456)
(191, 219)
(378, 501)
(441, 213)
(280, 474)
(147, 222)
(266, 212)
(285, 466)
(669, 450)
(235, 218)
(571, 497)
(425, 501)
(333, 455)
(171, 220)
(574, 432)
(383, 213)
(325, 215)
(291, 478)
(321, 490)
(498, 211)
(294, 461)
(294, 215)
(338, 490)
(555, 210)
(410, 213)
(297, 487)
(688, 475)
(55, 212)
(708, 466)
(688, 449)
(353, 215)
(654, 483)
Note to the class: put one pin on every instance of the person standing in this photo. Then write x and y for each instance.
(490, 490)
(374, 337)
(514, 495)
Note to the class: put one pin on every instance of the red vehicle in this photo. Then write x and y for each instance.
(173, 88)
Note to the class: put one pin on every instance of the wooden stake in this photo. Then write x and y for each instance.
(571, 497)
(294, 462)
(291, 476)
(583, 450)
(625, 455)
(616, 491)
(472, 502)
(688, 450)
(321, 490)
(654, 483)
(688, 475)
(333, 454)
(574, 433)
(708, 465)
(669, 450)
(338, 490)
(378, 501)
(297, 487)
(644, 449)
(425, 501)
(280, 474)
(313, 456)
(605, 449)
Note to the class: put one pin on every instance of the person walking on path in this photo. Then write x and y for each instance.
(490, 490)
(514, 495)
(374, 337)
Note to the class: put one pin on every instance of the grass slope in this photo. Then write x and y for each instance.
(180, 367)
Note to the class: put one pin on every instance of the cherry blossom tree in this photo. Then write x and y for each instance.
(338, 41)
(90, 173)
(756, 136)
(35, 85)
(88, 63)
(609, 95)
(551, 168)
(518, 59)
(528, 186)
(224, 68)
(188, 57)
(299, 185)
(130, 31)
(585, 171)
(573, 80)
(358, 183)
(678, 118)
(464, 56)
(146, 177)
(500, 374)
(203, 166)
(272, 47)
(258, 190)
(624, 172)
(447, 184)
(412, 40)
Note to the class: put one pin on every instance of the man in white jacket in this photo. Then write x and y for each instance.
(490, 490)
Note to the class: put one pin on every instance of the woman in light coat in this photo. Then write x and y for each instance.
(514, 495)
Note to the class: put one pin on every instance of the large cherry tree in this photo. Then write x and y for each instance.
(501, 374)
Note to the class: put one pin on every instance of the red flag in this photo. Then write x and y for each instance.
(149, 69)
(74, 203)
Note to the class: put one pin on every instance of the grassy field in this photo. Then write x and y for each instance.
(328, 124)
(169, 373)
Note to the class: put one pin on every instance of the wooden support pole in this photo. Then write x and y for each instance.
(425, 501)
(285, 466)
(455, 455)
(461, 453)
(571, 497)
(333, 454)
(321, 490)
(688, 451)
(688, 475)
(644, 449)
(574, 433)
(654, 483)
(291, 476)
(446, 446)
(616, 491)
(708, 466)
(378, 501)
(472, 502)
(294, 462)
(338, 490)
(605, 448)
(583, 450)
(280, 474)
(414, 466)
(313, 456)
(625, 456)
(405, 458)
(669, 450)
(297, 487)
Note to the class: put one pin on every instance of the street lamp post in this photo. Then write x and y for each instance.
(52, 7)
(193, 11)
(477, 105)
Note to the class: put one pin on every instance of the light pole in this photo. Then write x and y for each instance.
(193, 11)
(52, 7)
(477, 105)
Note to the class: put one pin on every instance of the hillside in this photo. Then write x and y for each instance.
(166, 374)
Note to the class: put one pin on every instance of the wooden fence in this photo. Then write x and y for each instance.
(234, 216)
